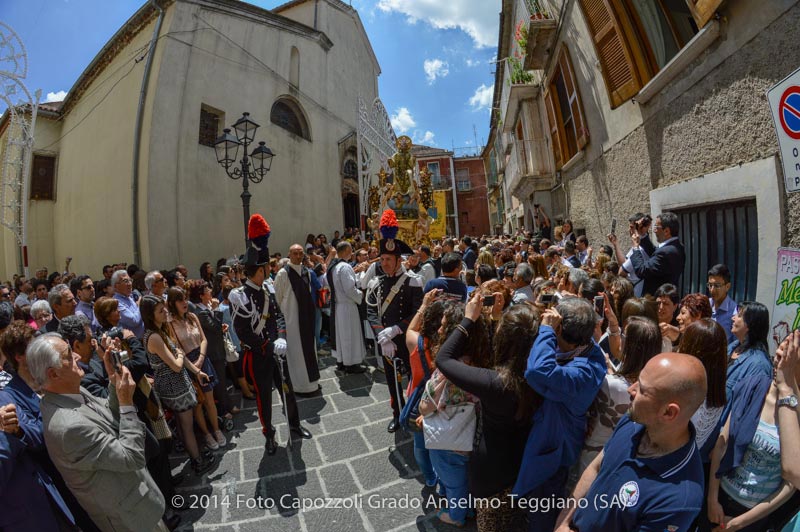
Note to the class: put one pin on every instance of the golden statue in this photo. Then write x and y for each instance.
(403, 163)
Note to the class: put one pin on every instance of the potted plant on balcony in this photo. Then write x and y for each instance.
(537, 13)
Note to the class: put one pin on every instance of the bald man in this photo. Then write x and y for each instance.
(649, 476)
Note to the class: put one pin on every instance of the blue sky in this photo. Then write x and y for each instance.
(435, 55)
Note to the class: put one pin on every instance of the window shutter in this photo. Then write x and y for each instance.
(554, 129)
(574, 99)
(703, 10)
(616, 57)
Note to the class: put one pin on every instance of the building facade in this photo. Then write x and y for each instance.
(609, 107)
(473, 208)
(134, 172)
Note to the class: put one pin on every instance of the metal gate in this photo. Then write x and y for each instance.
(724, 233)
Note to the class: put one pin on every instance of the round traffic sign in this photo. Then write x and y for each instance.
(789, 111)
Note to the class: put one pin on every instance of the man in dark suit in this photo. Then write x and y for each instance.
(665, 264)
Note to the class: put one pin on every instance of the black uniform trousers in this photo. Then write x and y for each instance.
(396, 388)
(262, 371)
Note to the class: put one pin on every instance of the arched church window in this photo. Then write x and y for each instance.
(287, 114)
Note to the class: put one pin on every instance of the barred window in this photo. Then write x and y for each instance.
(288, 115)
(209, 126)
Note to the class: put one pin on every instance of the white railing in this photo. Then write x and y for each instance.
(533, 156)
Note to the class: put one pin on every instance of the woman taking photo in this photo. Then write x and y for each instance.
(693, 307)
(507, 406)
(171, 376)
(189, 336)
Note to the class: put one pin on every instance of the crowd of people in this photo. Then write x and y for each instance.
(549, 385)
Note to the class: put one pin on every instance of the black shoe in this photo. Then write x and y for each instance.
(340, 367)
(302, 432)
(171, 519)
(271, 445)
(203, 464)
(354, 369)
(177, 479)
(393, 426)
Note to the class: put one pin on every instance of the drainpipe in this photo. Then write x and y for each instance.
(455, 196)
(137, 136)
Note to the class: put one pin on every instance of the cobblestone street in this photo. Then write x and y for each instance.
(351, 457)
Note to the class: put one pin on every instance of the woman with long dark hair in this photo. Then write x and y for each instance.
(507, 405)
(171, 378)
(748, 354)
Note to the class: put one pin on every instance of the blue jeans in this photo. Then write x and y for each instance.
(451, 467)
(423, 458)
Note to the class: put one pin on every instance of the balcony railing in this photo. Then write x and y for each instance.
(541, 32)
(441, 183)
(463, 185)
(533, 157)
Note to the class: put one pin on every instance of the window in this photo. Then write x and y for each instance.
(721, 234)
(210, 119)
(350, 169)
(433, 168)
(294, 67)
(634, 39)
(43, 177)
(287, 114)
(565, 112)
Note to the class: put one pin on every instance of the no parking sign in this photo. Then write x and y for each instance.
(784, 102)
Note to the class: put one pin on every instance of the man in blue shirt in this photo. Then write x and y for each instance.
(566, 367)
(469, 254)
(450, 283)
(129, 316)
(83, 289)
(723, 308)
(649, 476)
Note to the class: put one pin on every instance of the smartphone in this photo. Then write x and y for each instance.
(547, 298)
(613, 226)
(600, 305)
(116, 361)
(488, 301)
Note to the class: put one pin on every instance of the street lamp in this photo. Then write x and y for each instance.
(227, 148)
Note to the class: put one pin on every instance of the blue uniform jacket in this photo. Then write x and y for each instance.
(559, 425)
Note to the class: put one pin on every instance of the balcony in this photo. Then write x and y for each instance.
(463, 185)
(541, 33)
(441, 182)
(518, 88)
(533, 165)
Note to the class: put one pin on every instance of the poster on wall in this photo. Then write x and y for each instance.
(439, 224)
(786, 304)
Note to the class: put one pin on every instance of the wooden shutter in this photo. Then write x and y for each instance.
(581, 132)
(43, 177)
(608, 23)
(555, 131)
(703, 10)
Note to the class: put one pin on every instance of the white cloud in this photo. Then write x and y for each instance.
(424, 138)
(472, 62)
(402, 120)
(478, 18)
(55, 96)
(482, 99)
(435, 68)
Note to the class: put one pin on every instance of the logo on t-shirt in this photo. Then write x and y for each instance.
(629, 494)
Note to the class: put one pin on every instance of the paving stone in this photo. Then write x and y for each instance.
(286, 493)
(342, 420)
(258, 464)
(379, 438)
(401, 503)
(378, 411)
(196, 508)
(227, 467)
(351, 399)
(315, 407)
(342, 445)
(249, 438)
(275, 524)
(305, 455)
(338, 480)
(377, 469)
(333, 519)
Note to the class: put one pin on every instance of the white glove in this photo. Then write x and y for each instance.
(388, 333)
(280, 346)
(389, 349)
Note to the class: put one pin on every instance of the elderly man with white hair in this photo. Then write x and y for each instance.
(63, 303)
(96, 444)
(156, 284)
(129, 316)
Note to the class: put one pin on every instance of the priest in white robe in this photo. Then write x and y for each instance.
(347, 338)
(293, 288)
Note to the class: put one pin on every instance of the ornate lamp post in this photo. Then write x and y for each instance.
(227, 148)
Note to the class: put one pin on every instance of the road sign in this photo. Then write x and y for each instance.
(784, 102)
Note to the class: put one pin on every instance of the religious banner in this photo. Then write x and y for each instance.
(786, 306)
(439, 224)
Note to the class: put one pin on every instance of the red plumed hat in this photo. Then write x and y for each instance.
(258, 232)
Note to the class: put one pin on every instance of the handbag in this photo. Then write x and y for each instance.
(231, 354)
(410, 412)
(452, 429)
(323, 297)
